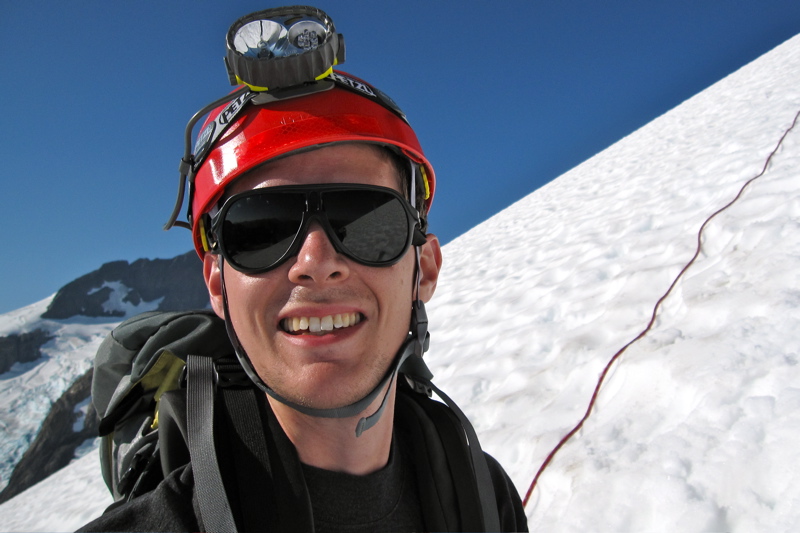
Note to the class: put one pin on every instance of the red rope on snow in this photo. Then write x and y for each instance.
(616, 356)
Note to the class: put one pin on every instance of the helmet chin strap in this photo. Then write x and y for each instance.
(415, 345)
(408, 358)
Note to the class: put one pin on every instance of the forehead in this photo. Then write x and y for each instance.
(340, 163)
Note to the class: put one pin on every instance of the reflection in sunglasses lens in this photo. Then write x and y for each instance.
(258, 230)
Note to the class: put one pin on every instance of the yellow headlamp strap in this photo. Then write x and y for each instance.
(258, 89)
(203, 238)
(425, 182)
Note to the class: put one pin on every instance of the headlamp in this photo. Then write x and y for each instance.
(282, 47)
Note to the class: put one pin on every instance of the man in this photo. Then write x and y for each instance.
(324, 366)
(308, 213)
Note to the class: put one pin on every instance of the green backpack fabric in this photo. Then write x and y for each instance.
(140, 360)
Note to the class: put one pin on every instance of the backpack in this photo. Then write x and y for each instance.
(155, 387)
(136, 365)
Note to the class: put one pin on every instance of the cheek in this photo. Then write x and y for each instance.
(396, 294)
(397, 279)
(248, 295)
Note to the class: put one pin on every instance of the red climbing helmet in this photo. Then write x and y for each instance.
(350, 110)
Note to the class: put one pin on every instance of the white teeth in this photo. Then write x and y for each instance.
(318, 325)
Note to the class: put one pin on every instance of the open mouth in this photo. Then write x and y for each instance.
(314, 325)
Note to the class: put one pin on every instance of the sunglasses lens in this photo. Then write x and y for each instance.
(372, 225)
(258, 230)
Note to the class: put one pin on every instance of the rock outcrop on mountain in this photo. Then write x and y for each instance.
(72, 421)
(21, 348)
(115, 287)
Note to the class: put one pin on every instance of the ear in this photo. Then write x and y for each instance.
(430, 263)
(213, 278)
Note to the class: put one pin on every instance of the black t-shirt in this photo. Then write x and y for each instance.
(300, 497)
(386, 500)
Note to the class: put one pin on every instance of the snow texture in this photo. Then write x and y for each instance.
(697, 424)
(28, 390)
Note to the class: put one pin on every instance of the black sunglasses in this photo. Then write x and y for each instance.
(257, 230)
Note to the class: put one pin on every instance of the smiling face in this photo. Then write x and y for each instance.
(320, 329)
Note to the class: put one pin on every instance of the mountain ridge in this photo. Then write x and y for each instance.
(51, 345)
(175, 283)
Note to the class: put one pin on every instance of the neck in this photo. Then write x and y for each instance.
(331, 444)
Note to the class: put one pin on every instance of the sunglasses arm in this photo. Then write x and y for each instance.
(419, 238)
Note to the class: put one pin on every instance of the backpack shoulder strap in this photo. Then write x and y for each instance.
(215, 509)
(456, 488)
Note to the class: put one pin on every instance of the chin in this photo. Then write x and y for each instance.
(333, 398)
(324, 385)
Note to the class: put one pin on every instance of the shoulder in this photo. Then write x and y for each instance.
(444, 458)
(169, 507)
(509, 504)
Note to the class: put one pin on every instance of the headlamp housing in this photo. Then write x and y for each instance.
(282, 47)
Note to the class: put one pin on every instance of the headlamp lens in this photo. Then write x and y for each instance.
(261, 39)
(307, 34)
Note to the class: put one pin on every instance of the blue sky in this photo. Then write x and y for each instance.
(505, 96)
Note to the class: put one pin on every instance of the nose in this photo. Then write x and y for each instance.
(317, 260)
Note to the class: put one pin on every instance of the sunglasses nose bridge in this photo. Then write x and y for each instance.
(313, 202)
(321, 218)
(314, 212)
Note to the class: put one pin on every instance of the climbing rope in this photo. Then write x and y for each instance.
(657, 306)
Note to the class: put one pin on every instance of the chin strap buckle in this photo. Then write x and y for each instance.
(419, 328)
(413, 366)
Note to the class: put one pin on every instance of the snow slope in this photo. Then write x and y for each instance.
(28, 390)
(696, 426)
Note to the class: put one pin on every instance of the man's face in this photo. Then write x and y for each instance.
(330, 368)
